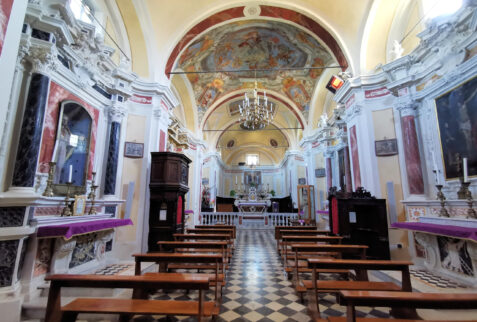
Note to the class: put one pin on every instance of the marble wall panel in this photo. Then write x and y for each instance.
(12, 216)
(112, 161)
(8, 256)
(355, 157)
(411, 153)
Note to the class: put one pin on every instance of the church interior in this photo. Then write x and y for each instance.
(229, 160)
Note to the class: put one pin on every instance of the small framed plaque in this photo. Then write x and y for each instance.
(386, 147)
(79, 205)
(320, 173)
(133, 150)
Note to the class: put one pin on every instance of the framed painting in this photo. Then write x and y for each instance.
(71, 152)
(457, 122)
(133, 150)
(79, 205)
(386, 147)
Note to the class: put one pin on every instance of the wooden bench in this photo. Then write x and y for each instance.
(305, 251)
(361, 267)
(287, 239)
(128, 307)
(217, 226)
(220, 247)
(402, 299)
(211, 231)
(307, 232)
(225, 237)
(197, 261)
(277, 228)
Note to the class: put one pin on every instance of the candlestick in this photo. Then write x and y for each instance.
(67, 209)
(49, 182)
(464, 165)
(236, 180)
(440, 196)
(464, 190)
(70, 177)
(470, 212)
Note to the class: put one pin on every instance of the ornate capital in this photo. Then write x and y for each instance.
(116, 113)
(43, 59)
(406, 107)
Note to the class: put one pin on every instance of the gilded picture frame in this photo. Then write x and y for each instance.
(79, 205)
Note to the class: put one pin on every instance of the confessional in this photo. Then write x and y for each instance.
(360, 219)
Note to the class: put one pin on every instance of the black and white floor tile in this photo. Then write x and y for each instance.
(114, 269)
(434, 280)
(258, 290)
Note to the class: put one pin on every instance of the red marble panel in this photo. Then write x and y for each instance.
(411, 153)
(57, 95)
(348, 182)
(355, 156)
(162, 141)
(5, 10)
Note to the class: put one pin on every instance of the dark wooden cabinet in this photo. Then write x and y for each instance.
(168, 186)
(361, 220)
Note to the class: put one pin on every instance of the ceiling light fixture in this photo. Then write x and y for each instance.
(255, 114)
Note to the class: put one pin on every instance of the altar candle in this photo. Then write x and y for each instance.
(70, 177)
(236, 180)
(464, 161)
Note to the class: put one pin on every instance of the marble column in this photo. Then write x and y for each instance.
(411, 150)
(328, 168)
(347, 170)
(30, 133)
(116, 114)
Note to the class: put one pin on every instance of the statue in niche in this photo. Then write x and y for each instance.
(397, 50)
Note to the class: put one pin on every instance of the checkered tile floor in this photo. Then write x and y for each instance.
(257, 289)
(434, 280)
(114, 269)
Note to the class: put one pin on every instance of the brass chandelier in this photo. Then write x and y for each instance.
(255, 114)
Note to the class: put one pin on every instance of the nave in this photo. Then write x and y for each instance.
(257, 288)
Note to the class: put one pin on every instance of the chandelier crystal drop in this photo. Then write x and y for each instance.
(257, 113)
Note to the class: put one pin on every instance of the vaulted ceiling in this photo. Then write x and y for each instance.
(232, 35)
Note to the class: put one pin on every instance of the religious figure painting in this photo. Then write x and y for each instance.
(72, 144)
(5, 10)
(457, 120)
(253, 177)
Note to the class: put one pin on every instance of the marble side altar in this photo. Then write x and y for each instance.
(445, 245)
(252, 204)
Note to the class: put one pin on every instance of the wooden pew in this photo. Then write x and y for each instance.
(211, 231)
(128, 307)
(305, 251)
(185, 261)
(287, 239)
(277, 228)
(226, 237)
(300, 232)
(361, 267)
(220, 227)
(401, 299)
(220, 247)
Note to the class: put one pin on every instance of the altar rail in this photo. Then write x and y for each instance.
(233, 218)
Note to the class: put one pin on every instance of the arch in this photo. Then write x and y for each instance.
(266, 11)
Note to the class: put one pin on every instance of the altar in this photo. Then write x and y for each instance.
(252, 204)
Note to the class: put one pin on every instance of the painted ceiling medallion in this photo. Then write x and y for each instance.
(253, 45)
(252, 11)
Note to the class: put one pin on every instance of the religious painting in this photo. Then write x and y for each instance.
(5, 10)
(234, 108)
(133, 149)
(457, 120)
(79, 205)
(385, 147)
(455, 256)
(296, 92)
(72, 145)
(252, 177)
(211, 92)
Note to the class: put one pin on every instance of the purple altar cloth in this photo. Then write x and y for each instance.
(78, 228)
(451, 231)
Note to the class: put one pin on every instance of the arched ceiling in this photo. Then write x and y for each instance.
(255, 45)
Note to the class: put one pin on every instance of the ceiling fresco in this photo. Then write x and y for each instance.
(254, 44)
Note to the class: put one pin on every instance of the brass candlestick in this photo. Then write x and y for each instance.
(92, 197)
(464, 189)
(440, 196)
(67, 209)
(470, 212)
(49, 182)
(92, 194)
